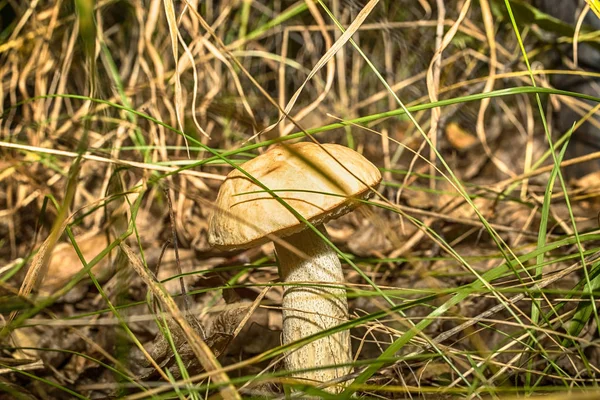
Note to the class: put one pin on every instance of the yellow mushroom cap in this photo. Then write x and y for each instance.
(318, 181)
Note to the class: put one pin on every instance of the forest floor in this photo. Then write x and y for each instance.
(472, 274)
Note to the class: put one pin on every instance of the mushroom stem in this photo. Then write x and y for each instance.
(311, 309)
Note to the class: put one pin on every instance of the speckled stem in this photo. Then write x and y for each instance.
(309, 310)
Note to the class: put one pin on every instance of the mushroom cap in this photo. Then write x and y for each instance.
(312, 178)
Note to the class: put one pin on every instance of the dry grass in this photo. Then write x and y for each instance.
(468, 276)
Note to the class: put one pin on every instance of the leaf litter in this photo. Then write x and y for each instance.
(131, 327)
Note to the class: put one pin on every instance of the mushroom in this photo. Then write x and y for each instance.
(321, 183)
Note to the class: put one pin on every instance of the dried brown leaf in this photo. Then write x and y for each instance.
(459, 138)
(64, 263)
